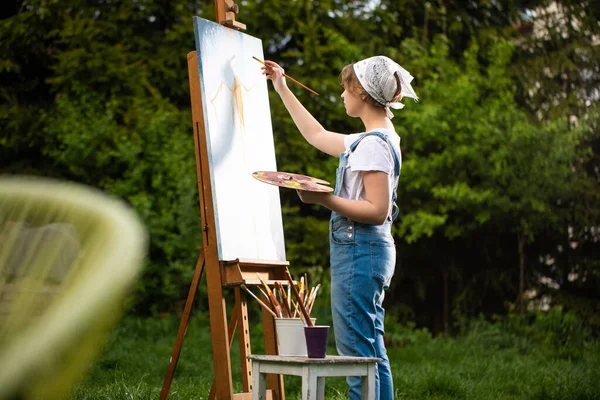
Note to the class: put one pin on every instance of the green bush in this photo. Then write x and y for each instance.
(142, 152)
(557, 333)
(497, 334)
(404, 334)
(561, 333)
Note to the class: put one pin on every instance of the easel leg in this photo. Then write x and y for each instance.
(185, 319)
(231, 329)
(218, 330)
(275, 381)
(241, 310)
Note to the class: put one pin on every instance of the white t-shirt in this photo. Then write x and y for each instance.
(372, 154)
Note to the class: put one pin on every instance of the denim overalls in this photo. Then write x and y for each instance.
(362, 258)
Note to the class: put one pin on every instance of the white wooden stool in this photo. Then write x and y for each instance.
(313, 372)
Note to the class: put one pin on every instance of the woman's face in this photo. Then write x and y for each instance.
(352, 102)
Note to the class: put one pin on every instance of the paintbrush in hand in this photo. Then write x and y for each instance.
(291, 79)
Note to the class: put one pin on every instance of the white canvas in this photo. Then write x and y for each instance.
(237, 118)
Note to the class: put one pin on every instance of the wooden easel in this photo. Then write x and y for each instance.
(221, 274)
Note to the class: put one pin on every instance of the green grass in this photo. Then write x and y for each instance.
(486, 363)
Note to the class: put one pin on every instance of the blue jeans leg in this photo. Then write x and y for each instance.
(356, 302)
(384, 373)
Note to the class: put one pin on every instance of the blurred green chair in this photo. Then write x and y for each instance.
(69, 255)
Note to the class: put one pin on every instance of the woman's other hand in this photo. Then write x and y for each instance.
(312, 197)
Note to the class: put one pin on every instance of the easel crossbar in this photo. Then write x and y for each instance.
(246, 272)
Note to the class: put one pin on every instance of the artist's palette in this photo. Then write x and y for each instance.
(293, 181)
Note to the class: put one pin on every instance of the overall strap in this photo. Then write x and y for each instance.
(383, 137)
(396, 156)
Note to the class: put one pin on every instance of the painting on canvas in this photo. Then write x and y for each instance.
(237, 118)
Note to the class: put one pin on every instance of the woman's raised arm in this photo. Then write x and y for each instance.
(328, 142)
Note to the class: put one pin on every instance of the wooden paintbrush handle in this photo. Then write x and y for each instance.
(291, 79)
(266, 307)
(300, 302)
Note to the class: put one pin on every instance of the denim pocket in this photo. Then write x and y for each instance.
(342, 231)
(383, 261)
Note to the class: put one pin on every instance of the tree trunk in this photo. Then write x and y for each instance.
(446, 302)
(425, 26)
(521, 237)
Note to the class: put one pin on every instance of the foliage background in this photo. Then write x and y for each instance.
(499, 191)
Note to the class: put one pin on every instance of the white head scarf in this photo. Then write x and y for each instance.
(377, 77)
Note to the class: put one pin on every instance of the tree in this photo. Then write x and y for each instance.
(557, 62)
(475, 165)
(97, 92)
